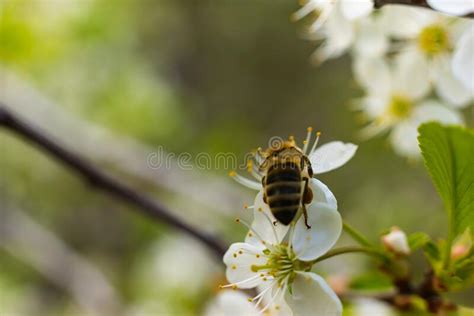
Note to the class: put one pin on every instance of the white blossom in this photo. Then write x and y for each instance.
(427, 41)
(274, 261)
(395, 103)
(335, 23)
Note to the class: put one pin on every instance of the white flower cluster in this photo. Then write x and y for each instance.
(415, 64)
(276, 260)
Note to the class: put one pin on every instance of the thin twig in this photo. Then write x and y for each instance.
(103, 181)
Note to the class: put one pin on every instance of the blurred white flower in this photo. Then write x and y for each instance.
(371, 307)
(231, 303)
(396, 241)
(428, 39)
(334, 23)
(266, 261)
(395, 102)
(463, 60)
(168, 261)
(455, 7)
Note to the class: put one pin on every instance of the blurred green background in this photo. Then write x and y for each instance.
(191, 76)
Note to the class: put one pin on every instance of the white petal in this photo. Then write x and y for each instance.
(322, 194)
(411, 75)
(455, 7)
(352, 9)
(239, 259)
(371, 40)
(326, 226)
(311, 295)
(403, 22)
(404, 139)
(404, 135)
(447, 86)
(375, 106)
(232, 303)
(339, 34)
(374, 75)
(432, 110)
(331, 156)
(263, 224)
(463, 62)
(278, 305)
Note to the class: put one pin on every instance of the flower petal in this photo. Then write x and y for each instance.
(311, 295)
(404, 135)
(448, 87)
(326, 226)
(432, 110)
(239, 259)
(411, 75)
(339, 35)
(356, 9)
(404, 22)
(263, 220)
(463, 63)
(374, 75)
(322, 194)
(371, 40)
(455, 7)
(404, 139)
(229, 302)
(331, 156)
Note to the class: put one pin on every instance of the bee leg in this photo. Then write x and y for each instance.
(264, 192)
(307, 198)
(305, 215)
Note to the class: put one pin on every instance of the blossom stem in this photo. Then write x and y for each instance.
(350, 249)
(356, 235)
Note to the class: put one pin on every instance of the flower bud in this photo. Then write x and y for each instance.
(462, 245)
(396, 241)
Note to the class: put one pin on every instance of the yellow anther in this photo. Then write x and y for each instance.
(265, 279)
(262, 275)
(235, 255)
(277, 307)
(291, 138)
(257, 255)
(234, 267)
(250, 234)
(237, 220)
(246, 206)
(232, 174)
(240, 252)
(234, 287)
(305, 142)
(309, 129)
(249, 165)
(250, 299)
(260, 209)
(318, 134)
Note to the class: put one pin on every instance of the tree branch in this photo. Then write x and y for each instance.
(416, 3)
(97, 178)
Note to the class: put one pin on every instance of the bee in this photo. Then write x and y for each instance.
(286, 173)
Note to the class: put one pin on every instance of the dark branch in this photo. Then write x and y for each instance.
(97, 178)
(415, 3)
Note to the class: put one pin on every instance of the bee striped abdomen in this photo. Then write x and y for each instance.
(283, 191)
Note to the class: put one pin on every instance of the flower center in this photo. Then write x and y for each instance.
(280, 264)
(433, 40)
(400, 107)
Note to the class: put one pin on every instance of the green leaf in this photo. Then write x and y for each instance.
(418, 240)
(448, 152)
